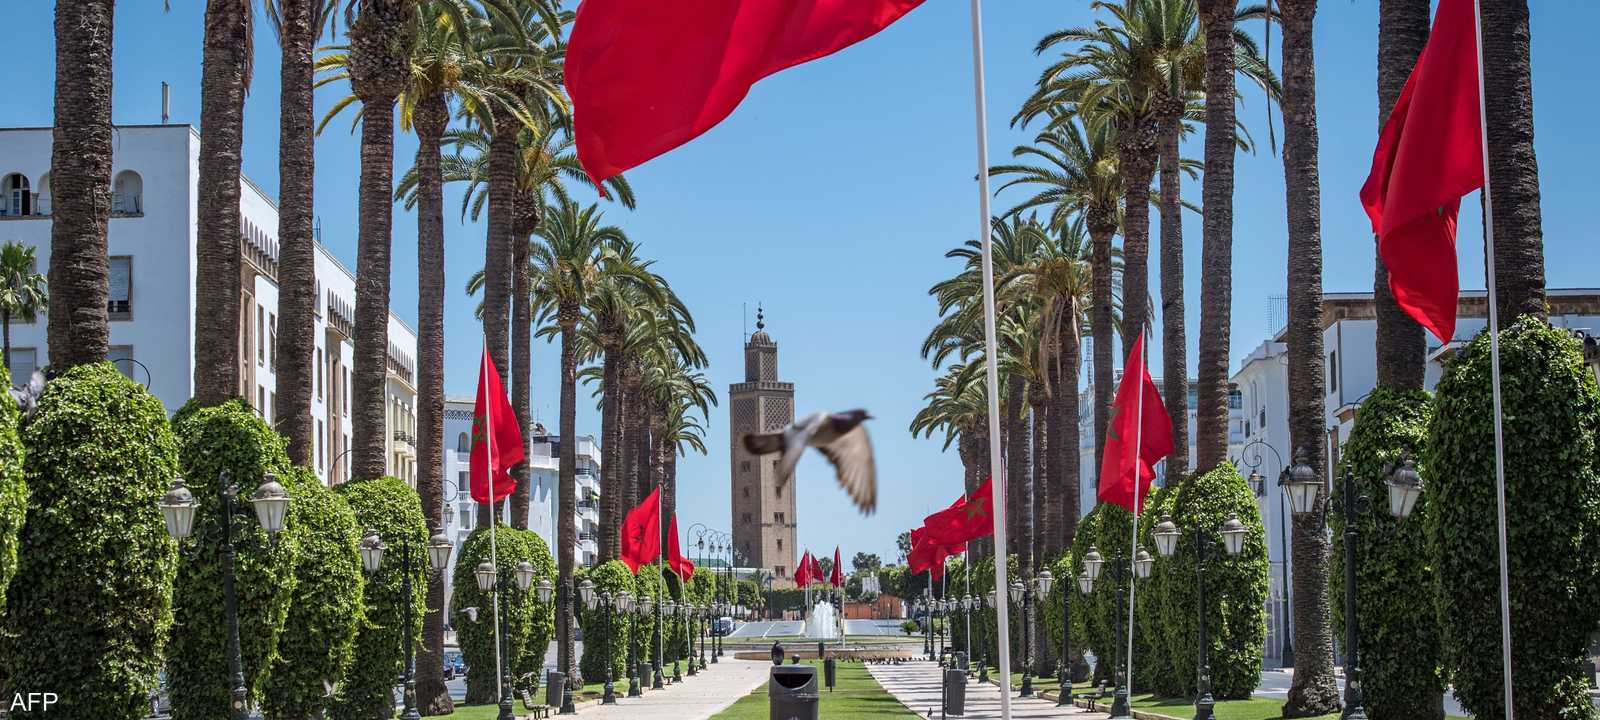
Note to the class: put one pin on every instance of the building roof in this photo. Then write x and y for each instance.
(1470, 304)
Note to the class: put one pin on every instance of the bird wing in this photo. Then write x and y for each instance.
(795, 439)
(855, 467)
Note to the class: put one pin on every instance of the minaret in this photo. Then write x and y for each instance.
(763, 516)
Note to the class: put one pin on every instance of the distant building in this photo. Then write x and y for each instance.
(764, 518)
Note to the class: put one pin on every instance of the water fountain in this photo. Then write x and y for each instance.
(823, 623)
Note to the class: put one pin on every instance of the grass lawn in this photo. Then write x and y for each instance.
(1252, 709)
(590, 691)
(856, 695)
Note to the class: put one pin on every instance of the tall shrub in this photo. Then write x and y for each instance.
(529, 623)
(1399, 640)
(1551, 418)
(392, 508)
(90, 604)
(606, 632)
(318, 639)
(13, 490)
(229, 438)
(1236, 586)
(1163, 669)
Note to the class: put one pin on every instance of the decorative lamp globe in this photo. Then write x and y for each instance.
(1042, 583)
(991, 595)
(1303, 484)
(1258, 483)
(439, 549)
(271, 502)
(1085, 583)
(1405, 486)
(1092, 562)
(177, 508)
(1016, 591)
(667, 607)
(542, 590)
(1166, 534)
(524, 575)
(624, 601)
(586, 593)
(1233, 533)
(486, 576)
(1142, 562)
(372, 548)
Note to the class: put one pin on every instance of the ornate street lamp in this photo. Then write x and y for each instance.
(1405, 486)
(1303, 485)
(1093, 566)
(1167, 536)
(1259, 484)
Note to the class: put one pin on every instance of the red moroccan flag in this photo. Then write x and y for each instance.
(646, 76)
(1429, 154)
(802, 573)
(680, 565)
(641, 533)
(1138, 404)
(968, 518)
(928, 554)
(817, 575)
(837, 579)
(496, 439)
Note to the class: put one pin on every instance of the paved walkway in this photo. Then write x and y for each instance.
(696, 698)
(917, 686)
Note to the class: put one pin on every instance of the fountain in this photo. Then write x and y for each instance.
(823, 623)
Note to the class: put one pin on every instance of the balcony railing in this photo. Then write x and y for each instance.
(401, 436)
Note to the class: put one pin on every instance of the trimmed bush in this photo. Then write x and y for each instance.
(1236, 586)
(392, 508)
(90, 605)
(1163, 669)
(1399, 640)
(1551, 418)
(612, 578)
(646, 583)
(13, 491)
(318, 638)
(530, 623)
(228, 438)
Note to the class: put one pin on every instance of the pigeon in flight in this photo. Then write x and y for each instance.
(841, 437)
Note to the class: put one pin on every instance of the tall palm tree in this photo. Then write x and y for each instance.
(80, 183)
(958, 405)
(1513, 167)
(224, 80)
(1314, 690)
(1401, 344)
(672, 382)
(22, 292)
(1216, 248)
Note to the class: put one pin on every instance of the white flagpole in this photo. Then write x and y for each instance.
(494, 550)
(991, 368)
(1494, 371)
(1138, 484)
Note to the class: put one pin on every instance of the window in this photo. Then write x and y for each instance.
(781, 571)
(1235, 399)
(127, 194)
(261, 401)
(1263, 422)
(261, 332)
(1194, 398)
(15, 197)
(1333, 371)
(463, 482)
(463, 444)
(272, 341)
(122, 357)
(319, 373)
(744, 466)
(746, 491)
(272, 405)
(347, 391)
(119, 302)
(777, 517)
(321, 433)
(745, 518)
(23, 362)
(780, 543)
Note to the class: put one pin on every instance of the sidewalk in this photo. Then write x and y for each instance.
(696, 698)
(917, 686)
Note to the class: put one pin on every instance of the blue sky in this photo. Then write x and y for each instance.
(831, 195)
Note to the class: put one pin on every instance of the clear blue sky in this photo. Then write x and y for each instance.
(831, 194)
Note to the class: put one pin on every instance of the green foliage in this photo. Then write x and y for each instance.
(229, 438)
(1162, 670)
(749, 592)
(392, 508)
(655, 582)
(90, 605)
(318, 638)
(1235, 586)
(1107, 529)
(530, 623)
(600, 637)
(1399, 640)
(13, 491)
(1551, 418)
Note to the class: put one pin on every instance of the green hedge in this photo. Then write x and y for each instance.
(230, 437)
(1399, 640)
(318, 638)
(392, 508)
(1236, 586)
(646, 583)
(531, 624)
(1164, 669)
(1551, 418)
(612, 577)
(13, 490)
(90, 605)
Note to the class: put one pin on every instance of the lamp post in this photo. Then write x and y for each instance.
(690, 615)
(271, 503)
(1259, 484)
(1093, 568)
(1167, 536)
(669, 609)
(641, 607)
(927, 623)
(372, 549)
(983, 672)
(487, 576)
(1019, 597)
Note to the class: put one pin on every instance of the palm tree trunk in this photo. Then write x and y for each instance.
(1042, 499)
(497, 258)
(522, 353)
(1065, 446)
(1137, 152)
(1313, 690)
(656, 458)
(1019, 486)
(1174, 343)
(217, 366)
(632, 439)
(669, 479)
(612, 476)
(567, 502)
(1102, 226)
(372, 288)
(297, 262)
(80, 184)
(1513, 168)
(1216, 277)
(430, 117)
(1402, 345)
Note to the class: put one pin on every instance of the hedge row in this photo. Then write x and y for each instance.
(13, 490)
(606, 632)
(530, 623)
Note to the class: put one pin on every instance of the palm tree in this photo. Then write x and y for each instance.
(1513, 167)
(672, 386)
(1402, 345)
(1216, 247)
(22, 291)
(224, 80)
(80, 183)
(958, 405)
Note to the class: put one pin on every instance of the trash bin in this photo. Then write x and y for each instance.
(646, 674)
(792, 693)
(828, 673)
(961, 660)
(554, 683)
(955, 692)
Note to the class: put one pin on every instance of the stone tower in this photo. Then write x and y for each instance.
(763, 516)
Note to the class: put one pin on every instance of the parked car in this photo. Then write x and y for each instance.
(723, 626)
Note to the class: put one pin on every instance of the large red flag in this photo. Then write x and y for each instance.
(641, 533)
(802, 573)
(1138, 404)
(496, 438)
(928, 554)
(680, 565)
(968, 518)
(646, 76)
(836, 579)
(817, 575)
(1429, 154)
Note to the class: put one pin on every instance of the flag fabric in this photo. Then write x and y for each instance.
(1123, 463)
(680, 565)
(802, 572)
(1429, 154)
(968, 518)
(646, 76)
(928, 554)
(817, 575)
(837, 578)
(496, 438)
(641, 533)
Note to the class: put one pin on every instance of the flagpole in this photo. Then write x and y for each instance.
(991, 366)
(661, 585)
(1494, 371)
(1138, 484)
(494, 549)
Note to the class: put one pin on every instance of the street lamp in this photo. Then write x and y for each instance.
(641, 607)
(1041, 590)
(1259, 483)
(668, 609)
(372, 549)
(1019, 598)
(271, 503)
(1093, 567)
(1167, 536)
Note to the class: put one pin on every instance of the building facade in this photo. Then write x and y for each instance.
(151, 240)
(764, 518)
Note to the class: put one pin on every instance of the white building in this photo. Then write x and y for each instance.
(151, 239)
(1349, 331)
